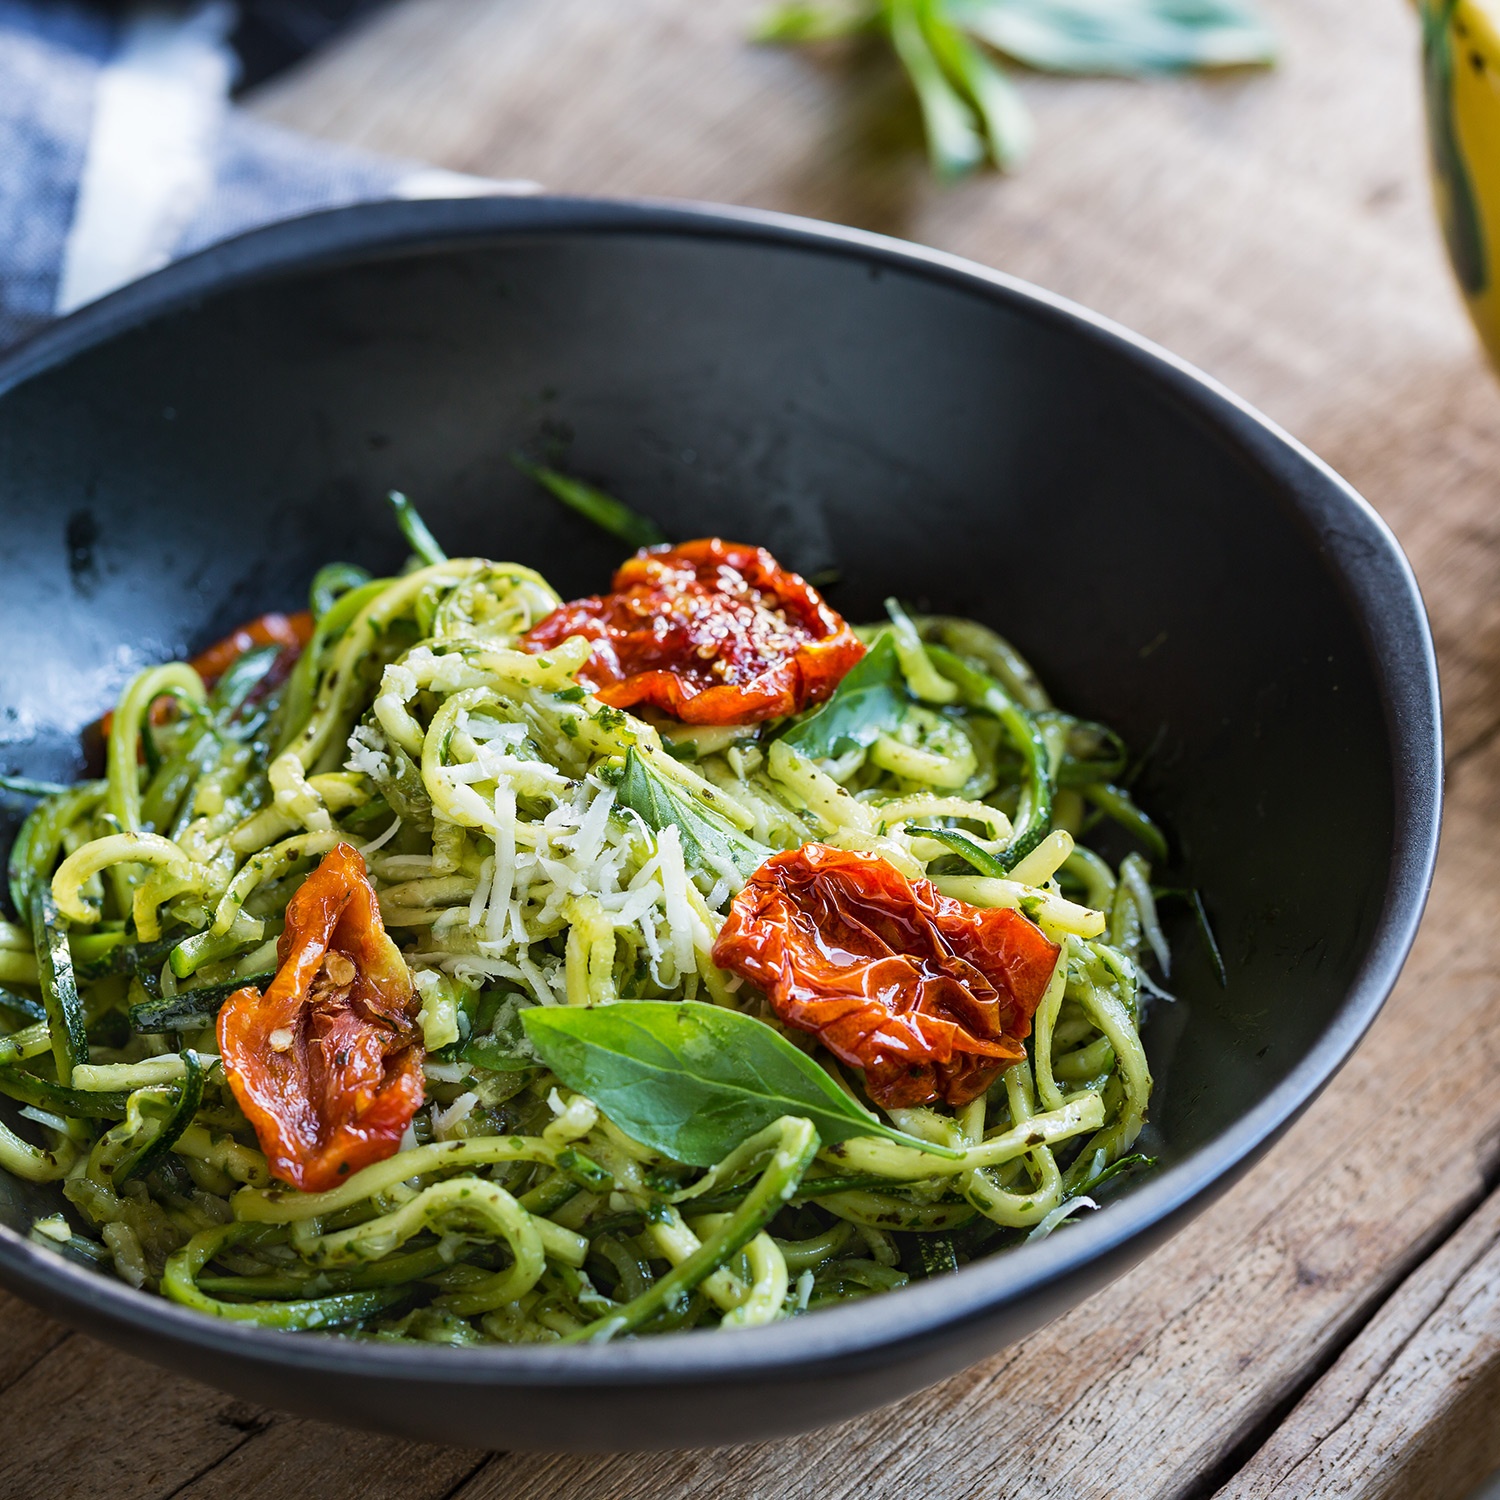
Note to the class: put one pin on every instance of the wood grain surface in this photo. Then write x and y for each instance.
(1332, 1327)
(1408, 1411)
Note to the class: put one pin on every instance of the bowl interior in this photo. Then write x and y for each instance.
(970, 454)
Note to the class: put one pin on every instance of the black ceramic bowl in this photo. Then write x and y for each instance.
(187, 452)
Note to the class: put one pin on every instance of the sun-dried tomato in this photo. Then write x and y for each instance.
(710, 632)
(327, 1064)
(930, 996)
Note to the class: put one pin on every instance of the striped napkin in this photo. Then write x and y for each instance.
(120, 151)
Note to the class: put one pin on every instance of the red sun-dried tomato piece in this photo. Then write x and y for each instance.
(930, 996)
(710, 632)
(327, 1063)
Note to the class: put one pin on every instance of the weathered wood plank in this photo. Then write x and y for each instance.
(1412, 1407)
(28, 1335)
(314, 1461)
(85, 1420)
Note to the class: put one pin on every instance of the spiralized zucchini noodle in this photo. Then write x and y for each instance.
(536, 850)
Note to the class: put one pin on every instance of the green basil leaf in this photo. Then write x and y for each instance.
(800, 21)
(870, 701)
(607, 513)
(1119, 36)
(503, 1047)
(955, 141)
(995, 99)
(713, 849)
(694, 1081)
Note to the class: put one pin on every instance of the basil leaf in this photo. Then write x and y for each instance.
(870, 701)
(694, 1081)
(955, 139)
(971, 110)
(799, 21)
(1005, 120)
(1119, 36)
(712, 847)
(499, 1040)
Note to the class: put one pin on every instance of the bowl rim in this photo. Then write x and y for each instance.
(1357, 548)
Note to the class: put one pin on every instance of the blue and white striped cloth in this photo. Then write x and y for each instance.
(119, 152)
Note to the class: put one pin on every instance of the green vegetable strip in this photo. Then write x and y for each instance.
(122, 957)
(23, 1005)
(40, 839)
(283, 1206)
(421, 541)
(1205, 927)
(393, 1270)
(28, 786)
(960, 843)
(331, 583)
(179, 1282)
(812, 1189)
(938, 1254)
(1124, 1167)
(594, 505)
(30, 1162)
(548, 1196)
(191, 1010)
(73, 1104)
(189, 1098)
(21, 1046)
(70, 1045)
(301, 688)
(123, 799)
(1116, 803)
(1034, 818)
(796, 1147)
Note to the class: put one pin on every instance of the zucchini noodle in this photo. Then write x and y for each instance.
(490, 795)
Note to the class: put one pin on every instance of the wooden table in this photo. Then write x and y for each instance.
(1332, 1327)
